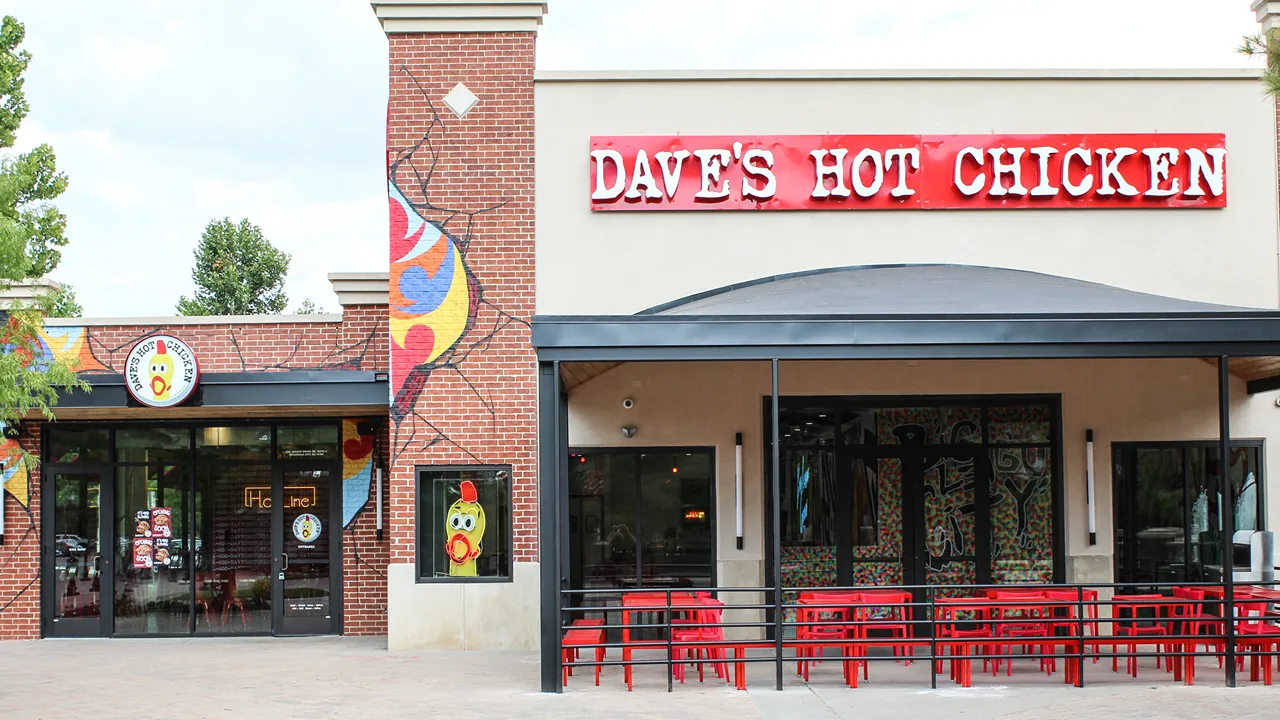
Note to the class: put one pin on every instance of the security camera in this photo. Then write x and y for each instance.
(628, 403)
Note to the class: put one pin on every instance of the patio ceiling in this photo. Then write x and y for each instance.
(917, 312)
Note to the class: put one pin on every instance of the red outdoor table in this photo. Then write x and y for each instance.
(651, 602)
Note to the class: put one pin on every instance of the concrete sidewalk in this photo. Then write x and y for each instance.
(357, 679)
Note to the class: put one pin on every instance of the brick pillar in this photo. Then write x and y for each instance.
(460, 184)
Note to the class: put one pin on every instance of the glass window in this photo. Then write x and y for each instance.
(1168, 509)
(464, 523)
(233, 443)
(1019, 424)
(75, 444)
(152, 564)
(233, 549)
(150, 445)
(677, 546)
(603, 548)
(308, 442)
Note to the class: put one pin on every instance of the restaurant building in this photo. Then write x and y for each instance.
(701, 329)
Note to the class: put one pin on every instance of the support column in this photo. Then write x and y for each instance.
(775, 488)
(464, 374)
(549, 492)
(1228, 516)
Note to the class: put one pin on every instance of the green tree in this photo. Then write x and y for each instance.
(63, 303)
(1267, 46)
(237, 272)
(32, 233)
(306, 307)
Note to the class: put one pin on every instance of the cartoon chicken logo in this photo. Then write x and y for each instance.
(465, 529)
(161, 372)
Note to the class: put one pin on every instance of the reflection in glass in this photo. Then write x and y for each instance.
(1159, 522)
(153, 580)
(233, 549)
(308, 442)
(602, 504)
(306, 590)
(70, 444)
(153, 445)
(233, 443)
(675, 520)
(77, 556)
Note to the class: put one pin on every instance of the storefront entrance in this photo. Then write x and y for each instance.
(919, 491)
(172, 530)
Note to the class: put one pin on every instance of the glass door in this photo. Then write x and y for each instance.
(77, 569)
(306, 550)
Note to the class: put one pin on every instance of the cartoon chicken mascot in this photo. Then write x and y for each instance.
(465, 529)
(161, 372)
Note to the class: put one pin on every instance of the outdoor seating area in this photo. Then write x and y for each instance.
(960, 633)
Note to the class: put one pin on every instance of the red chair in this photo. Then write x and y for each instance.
(1132, 626)
(897, 621)
(836, 633)
(710, 629)
(1018, 616)
(948, 610)
(1195, 620)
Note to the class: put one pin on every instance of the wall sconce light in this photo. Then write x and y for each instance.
(628, 431)
(737, 487)
(1088, 487)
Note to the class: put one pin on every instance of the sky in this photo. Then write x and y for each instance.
(166, 115)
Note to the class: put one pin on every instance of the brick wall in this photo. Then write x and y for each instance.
(20, 555)
(358, 342)
(476, 402)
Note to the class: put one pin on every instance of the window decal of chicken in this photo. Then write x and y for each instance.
(464, 529)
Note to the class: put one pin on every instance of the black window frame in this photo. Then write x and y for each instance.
(418, 472)
(1121, 451)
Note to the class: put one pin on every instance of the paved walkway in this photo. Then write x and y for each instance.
(357, 679)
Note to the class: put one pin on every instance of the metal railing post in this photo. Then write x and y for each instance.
(1227, 518)
(933, 638)
(670, 657)
(777, 530)
(1080, 632)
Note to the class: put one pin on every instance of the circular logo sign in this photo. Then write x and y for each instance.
(161, 371)
(306, 527)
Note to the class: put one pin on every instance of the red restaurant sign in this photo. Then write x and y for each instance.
(927, 172)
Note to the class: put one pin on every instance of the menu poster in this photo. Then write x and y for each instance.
(142, 524)
(161, 522)
(162, 551)
(142, 552)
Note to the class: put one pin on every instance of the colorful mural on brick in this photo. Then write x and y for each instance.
(70, 345)
(357, 470)
(439, 316)
(15, 480)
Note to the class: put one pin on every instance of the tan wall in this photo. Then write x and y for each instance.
(622, 262)
(705, 404)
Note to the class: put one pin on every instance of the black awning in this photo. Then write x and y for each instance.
(913, 312)
(293, 388)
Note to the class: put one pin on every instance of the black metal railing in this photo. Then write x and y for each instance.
(923, 621)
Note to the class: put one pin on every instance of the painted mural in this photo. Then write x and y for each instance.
(15, 479)
(357, 470)
(1017, 442)
(439, 317)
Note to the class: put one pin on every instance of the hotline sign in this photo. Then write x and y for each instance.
(161, 371)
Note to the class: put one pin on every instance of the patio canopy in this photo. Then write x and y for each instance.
(921, 312)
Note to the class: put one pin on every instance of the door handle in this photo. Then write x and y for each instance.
(286, 561)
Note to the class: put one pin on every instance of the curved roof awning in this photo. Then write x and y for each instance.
(919, 312)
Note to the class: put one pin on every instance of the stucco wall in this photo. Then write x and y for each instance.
(705, 404)
(600, 263)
